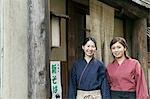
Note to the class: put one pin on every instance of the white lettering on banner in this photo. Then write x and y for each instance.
(56, 88)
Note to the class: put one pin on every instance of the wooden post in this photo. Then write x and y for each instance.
(37, 50)
(139, 43)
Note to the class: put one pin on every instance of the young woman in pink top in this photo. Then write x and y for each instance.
(125, 75)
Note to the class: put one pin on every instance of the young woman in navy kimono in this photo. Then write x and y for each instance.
(88, 76)
(125, 74)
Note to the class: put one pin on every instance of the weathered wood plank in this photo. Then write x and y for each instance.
(148, 59)
(139, 43)
(37, 50)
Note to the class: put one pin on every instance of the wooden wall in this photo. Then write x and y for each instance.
(139, 45)
(148, 59)
(102, 28)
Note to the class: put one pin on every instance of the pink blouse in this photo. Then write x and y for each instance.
(128, 76)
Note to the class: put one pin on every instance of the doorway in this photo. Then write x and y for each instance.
(76, 32)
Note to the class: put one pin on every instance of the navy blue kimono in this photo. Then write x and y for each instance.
(93, 78)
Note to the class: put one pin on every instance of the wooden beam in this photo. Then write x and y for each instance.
(129, 8)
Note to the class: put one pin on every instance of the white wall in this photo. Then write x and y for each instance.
(1, 44)
(15, 29)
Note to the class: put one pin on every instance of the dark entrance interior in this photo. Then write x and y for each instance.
(76, 28)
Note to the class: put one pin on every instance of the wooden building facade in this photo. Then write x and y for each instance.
(28, 42)
(105, 19)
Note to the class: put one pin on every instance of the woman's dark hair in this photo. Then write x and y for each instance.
(88, 39)
(122, 41)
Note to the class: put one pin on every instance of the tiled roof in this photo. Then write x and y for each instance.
(145, 3)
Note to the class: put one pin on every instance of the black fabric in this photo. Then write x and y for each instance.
(123, 95)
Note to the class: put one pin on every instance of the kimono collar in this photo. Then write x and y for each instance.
(116, 62)
(90, 60)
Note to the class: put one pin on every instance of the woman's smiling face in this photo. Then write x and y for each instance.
(118, 50)
(89, 48)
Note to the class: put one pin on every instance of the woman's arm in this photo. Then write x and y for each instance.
(72, 89)
(141, 86)
(105, 89)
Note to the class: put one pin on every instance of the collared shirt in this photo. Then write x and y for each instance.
(93, 78)
(128, 76)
